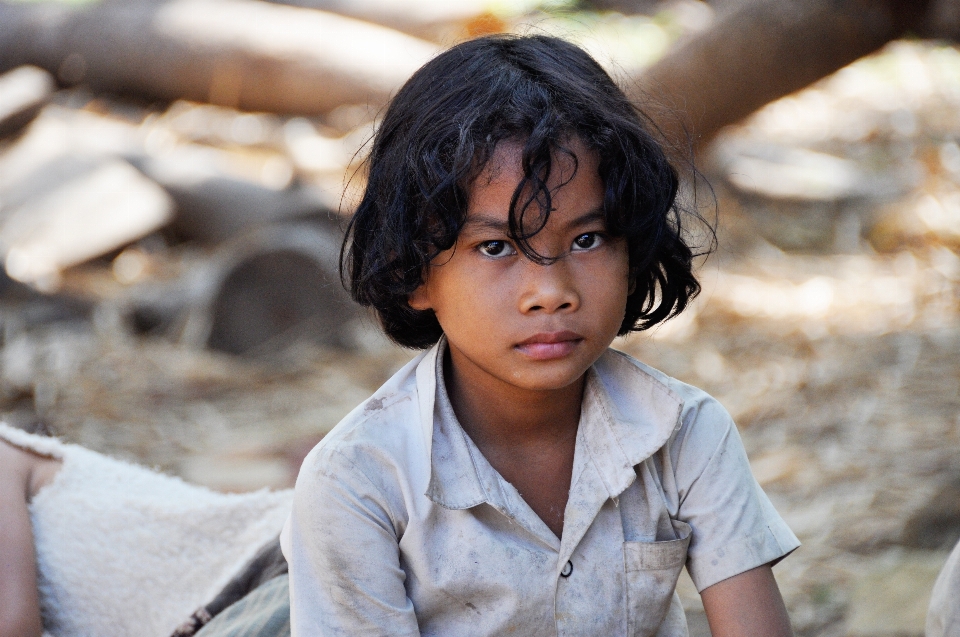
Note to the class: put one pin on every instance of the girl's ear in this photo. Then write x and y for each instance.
(419, 299)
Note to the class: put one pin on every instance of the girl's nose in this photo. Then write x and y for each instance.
(548, 288)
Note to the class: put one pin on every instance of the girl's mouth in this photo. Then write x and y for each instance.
(549, 345)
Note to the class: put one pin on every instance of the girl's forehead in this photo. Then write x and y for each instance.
(505, 164)
(574, 184)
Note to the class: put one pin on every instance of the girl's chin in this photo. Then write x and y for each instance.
(546, 380)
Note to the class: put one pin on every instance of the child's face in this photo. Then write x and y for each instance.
(510, 320)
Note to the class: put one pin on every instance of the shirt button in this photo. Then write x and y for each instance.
(567, 569)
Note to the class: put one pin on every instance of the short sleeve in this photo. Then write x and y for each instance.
(735, 527)
(943, 617)
(341, 543)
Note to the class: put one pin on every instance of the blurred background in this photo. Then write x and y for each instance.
(175, 176)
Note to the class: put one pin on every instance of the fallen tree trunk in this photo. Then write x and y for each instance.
(650, 7)
(628, 7)
(213, 206)
(419, 18)
(760, 51)
(240, 53)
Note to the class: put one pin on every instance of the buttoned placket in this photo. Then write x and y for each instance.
(602, 471)
(588, 496)
(591, 492)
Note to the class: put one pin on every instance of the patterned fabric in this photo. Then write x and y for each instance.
(195, 622)
(267, 564)
(265, 612)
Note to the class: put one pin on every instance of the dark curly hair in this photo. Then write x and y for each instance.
(440, 131)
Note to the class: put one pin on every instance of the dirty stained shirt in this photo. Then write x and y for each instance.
(400, 526)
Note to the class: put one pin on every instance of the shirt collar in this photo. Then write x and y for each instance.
(626, 416)
(455, 482)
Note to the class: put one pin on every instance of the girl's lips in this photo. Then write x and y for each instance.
(548, 346)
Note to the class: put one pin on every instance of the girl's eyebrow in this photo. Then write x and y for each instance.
(500, 225)
(589, 217)
(484, 221)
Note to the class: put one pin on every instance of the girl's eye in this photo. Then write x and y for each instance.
(496, 249)
(586, 241)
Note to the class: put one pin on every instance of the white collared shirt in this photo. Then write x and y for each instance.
(400, 526)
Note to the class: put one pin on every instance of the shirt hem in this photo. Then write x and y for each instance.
(768, 546)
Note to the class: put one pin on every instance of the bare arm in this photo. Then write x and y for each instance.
(19, 599)
(747, 605)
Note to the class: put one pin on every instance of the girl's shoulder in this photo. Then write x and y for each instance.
(696, 414)
(384, 434)
(632, 373)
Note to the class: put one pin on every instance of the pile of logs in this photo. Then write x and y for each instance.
(257, 191)
(219, 139)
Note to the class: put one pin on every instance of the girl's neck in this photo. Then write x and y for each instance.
(497, 415)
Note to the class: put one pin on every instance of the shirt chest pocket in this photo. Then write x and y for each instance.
(652, 569)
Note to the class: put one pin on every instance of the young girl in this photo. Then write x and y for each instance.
(520, 477)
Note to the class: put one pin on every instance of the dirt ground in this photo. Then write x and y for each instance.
(828, 326)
